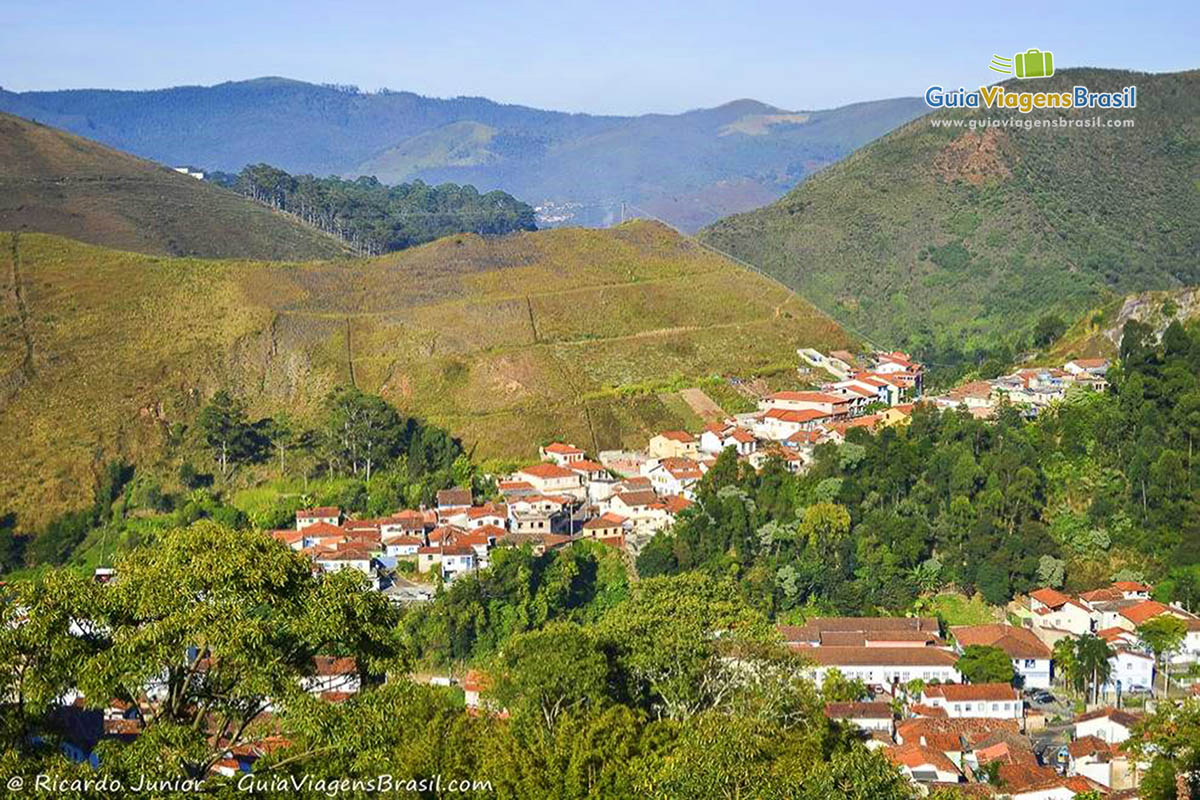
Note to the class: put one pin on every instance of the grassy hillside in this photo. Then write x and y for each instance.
(688, 168)
(505, 341)
(56, 182)
(945, 234)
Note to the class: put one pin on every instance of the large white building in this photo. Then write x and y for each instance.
(975, 700)
(883, 666)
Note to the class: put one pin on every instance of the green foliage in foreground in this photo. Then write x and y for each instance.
(225, 623)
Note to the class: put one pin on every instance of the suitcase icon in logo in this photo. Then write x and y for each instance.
(1034, 63)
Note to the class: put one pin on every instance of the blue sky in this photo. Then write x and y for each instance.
(604, 57)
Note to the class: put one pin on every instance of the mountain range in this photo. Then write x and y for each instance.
(942, 237)
(688, 169)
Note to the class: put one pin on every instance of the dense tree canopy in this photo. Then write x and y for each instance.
(1100, 483)
(375, 218)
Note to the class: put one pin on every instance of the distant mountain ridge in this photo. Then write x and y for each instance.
(945, 238)
(688, 168)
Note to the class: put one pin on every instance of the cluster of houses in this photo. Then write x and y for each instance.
(622, 499)
(1113, 613)
(1031, 389)
(939, 731)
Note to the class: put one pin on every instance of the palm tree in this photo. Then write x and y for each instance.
(1064, 661)
(1092, 656)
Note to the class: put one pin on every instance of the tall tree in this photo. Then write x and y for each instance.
(226, 429)
(983, 664)
(1164, 635)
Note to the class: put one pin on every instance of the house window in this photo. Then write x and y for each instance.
(996, 706)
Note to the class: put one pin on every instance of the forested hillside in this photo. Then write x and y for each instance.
(1101, 485)
(689, 168)
(949, 240)
(373, 218)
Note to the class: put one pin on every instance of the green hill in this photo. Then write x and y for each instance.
(688, 168)
(947, 236)
(505, 341)
(56, 182)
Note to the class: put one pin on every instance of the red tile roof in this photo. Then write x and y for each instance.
(913, 756)
(335, 665)
(1087, 746)
(675, 503)
(558, 448)
(972, 692)
(1050, 597)
(1144, 611)
(788, 415)
(320, 511)
(678, 436)
(547, 471)
(1015, 642)
(882, 656)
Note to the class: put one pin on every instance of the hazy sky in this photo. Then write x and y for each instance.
(604, 57)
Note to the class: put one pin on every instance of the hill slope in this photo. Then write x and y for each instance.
(688, 168)
(55, 182)
(505, 341)
(941, 232)
(1097, 334)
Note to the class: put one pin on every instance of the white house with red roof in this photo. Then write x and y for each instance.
(1086, 366)
(1056, 614)
(1030, 656)
(717, 437)
(346, 556)
(1112, 725)
(831, 405)
(609, 525)
(548, 478)
(975, 700)
(779, 424)
(642, 507)
(489, 514)
(922, 764)
(675, 476)
(329, 515)
(1129, 670)
(403, 546)
(561, 454)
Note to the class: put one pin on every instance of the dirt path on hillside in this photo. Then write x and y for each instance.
(704, 406)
